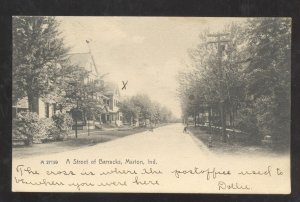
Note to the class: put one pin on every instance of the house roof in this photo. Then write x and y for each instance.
(81, 59)
(111, 88)
(102, 95)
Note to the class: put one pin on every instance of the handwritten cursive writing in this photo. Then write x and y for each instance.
(116, 171)
(223, 186)
(60, 172)
(78, 185)
(27, 170)
(151, 171)
(43, 182)
(253, 172)
(114, 183)
(210, 173)
(137, 181)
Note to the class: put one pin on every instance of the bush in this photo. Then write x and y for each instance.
(48, 130)
(247, 122)
(30, 127)
(26, 126)
(63, 122)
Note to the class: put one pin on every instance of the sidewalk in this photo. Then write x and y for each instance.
(72, 143)
(232, 146)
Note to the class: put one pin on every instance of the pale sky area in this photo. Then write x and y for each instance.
(148, 52)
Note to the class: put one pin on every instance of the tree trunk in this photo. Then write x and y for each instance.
(194, 118)
(33, 103)
(223, 121)
(209, 119)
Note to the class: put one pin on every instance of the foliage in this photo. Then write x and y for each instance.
(247, 121)
(30, 127)
(129, 110)
(82, 94)
(39, 58)
(252, 79)
(269, 45)
(62, 121)
(142, 108)
(145, 104)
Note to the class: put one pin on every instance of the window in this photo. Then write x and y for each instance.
(47, 110)
(54, 109)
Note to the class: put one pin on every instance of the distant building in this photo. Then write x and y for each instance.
(112, 115)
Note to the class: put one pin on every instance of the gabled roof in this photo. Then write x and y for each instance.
(111, 88)
(81, 59)
(102, 95)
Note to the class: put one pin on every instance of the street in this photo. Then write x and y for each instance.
(170, 151)
(163, 140)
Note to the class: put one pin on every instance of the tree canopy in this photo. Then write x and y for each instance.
(141, 107)
(253, 78)
(39, 58)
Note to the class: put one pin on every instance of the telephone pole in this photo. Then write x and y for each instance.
(221, 46)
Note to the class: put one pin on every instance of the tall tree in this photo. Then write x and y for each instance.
(269, 48)
(255, 76)
(39, 57)
(145, 104)
(129, 110)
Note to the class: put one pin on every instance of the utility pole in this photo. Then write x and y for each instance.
(89, 110)
(221, 46)
(76, 114)
(90, 52)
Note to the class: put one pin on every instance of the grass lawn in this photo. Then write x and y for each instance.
(237, 146)
(72, 143)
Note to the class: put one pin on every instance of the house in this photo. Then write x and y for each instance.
(112, 114)
(108, 100)
(46, 105)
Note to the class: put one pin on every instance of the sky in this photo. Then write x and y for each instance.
(148, 52)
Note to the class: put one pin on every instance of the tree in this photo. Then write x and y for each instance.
(141, 107)
(78, 93)
(39, 59)
(254, 75)
(166, 115)
(129, 110)
(145, 104)
(269, 49)
(157, 115)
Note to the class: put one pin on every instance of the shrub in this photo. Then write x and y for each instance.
(30, 127)
(26, 126)
(47, 129)
(247, 122)
(62, 121)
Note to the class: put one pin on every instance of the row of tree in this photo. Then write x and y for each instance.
(140, 108)
(242, 74)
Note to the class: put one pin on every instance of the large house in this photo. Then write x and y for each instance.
(110, 113)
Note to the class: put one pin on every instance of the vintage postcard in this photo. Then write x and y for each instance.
(151, 104)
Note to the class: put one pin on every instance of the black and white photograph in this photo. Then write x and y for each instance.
(151, 104)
